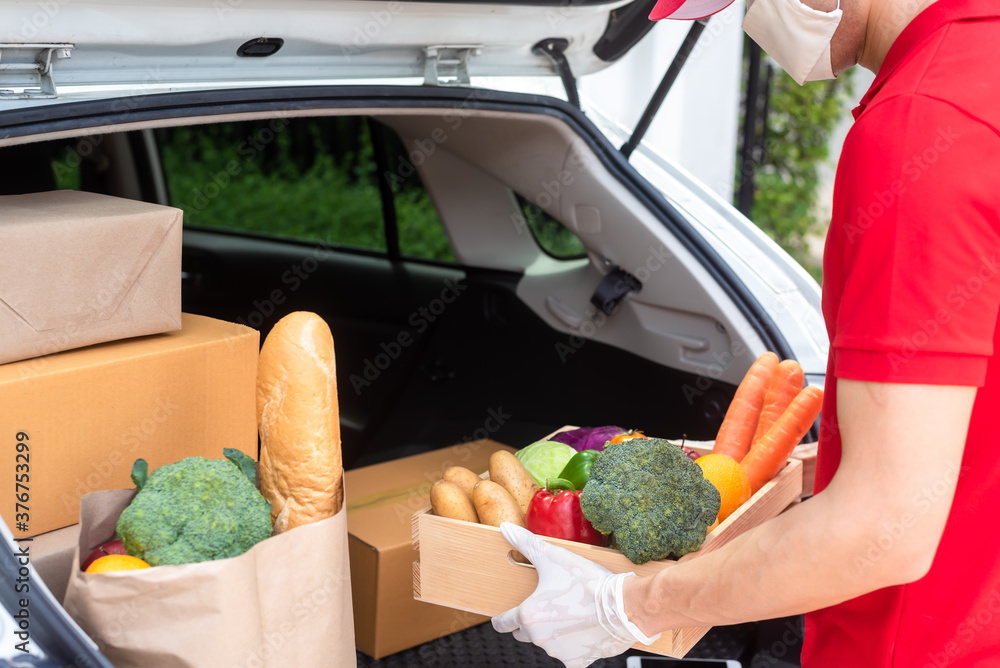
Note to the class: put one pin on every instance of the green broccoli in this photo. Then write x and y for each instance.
(193, 510)
(652, 497)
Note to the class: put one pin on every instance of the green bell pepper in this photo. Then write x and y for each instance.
(577, 469)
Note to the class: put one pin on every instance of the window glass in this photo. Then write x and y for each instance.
(306, 178)
(420, 231)
(312, 179)
(66, 167)
(549, 233)
(39, 167)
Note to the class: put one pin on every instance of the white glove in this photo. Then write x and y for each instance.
(576, 614)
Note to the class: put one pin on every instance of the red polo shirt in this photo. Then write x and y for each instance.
(911, 295)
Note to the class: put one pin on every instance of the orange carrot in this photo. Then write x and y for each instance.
(768, 456)
(785, 384)
(736, 433)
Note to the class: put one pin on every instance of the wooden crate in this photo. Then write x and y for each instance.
(806, 453)
(468, 566)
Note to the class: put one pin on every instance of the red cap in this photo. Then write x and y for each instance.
(688, 10)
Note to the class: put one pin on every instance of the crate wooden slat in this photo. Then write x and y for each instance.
(468, 566)
(806, 453)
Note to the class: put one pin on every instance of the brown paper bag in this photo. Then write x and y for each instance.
(285, 602)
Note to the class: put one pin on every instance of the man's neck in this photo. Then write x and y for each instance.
(886, 21)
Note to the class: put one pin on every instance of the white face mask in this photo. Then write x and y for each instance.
(796, 36)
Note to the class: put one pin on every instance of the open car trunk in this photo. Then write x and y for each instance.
(493, 335)
(506, 327)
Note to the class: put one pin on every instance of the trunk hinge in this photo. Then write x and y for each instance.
(26, 69)
(448, 64)
(554, 48)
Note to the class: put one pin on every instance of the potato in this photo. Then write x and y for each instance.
(462, 477)
(508, 471)
(448, 500)
(495, 505)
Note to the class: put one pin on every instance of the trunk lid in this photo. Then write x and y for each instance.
(178, 44)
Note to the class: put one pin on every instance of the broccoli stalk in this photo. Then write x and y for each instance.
(653, 498)
(194, 510)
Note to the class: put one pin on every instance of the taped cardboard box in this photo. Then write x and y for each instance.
(381, 500)
(85, 415)
(51, 554)
(79, 268)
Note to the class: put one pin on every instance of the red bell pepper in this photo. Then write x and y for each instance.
(555, 511)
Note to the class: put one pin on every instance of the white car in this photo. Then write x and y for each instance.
(491, 263)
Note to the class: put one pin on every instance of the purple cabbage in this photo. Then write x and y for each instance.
(587, 438)
(594, 438)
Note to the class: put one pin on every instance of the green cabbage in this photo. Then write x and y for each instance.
(545, 459)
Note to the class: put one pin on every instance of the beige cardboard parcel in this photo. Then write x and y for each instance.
(85, 415)
(285, 602)
(80, 268)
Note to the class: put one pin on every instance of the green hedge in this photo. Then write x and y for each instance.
(800, 122)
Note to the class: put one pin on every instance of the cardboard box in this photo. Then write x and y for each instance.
(79, 268)
(381, 500)
(83, 416)
(52, 557)
(469, 567)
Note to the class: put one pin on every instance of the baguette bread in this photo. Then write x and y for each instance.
(301, 466)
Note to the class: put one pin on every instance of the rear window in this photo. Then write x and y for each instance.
(310, 179)
(281, 176)
(549, 233)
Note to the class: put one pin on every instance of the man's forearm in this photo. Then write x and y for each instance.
(802, 560)
(897, 441)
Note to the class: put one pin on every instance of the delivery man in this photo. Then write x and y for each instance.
(896, 560)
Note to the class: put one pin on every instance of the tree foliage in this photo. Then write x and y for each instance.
(309, 179)
(800, 122)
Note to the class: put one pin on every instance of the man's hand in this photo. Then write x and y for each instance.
(576, 613)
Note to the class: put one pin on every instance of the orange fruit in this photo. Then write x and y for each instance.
(626, 436)
(116, 562)
(732, 481)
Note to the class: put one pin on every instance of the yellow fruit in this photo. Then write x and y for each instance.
(726, 474)
(116, 562)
